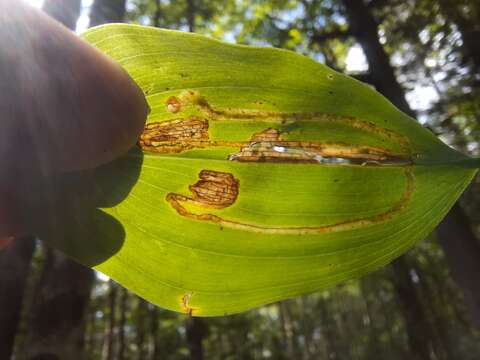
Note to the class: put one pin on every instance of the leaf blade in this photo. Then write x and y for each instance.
(290, 227)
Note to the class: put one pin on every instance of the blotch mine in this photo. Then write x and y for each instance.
(173, 136)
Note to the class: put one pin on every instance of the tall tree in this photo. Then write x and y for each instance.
(418, 329)
(364, 28)
(286, 329)
(467, 23)
(462, 253)
(154, 325)
(110, 331)
(328, 330)
(15, 258)
(141, 324)
(56, 327)
(196, 332)
(123, 323)
(454, 233)
(107, 11)
(157, 14)
(67, 12)
(191, 12)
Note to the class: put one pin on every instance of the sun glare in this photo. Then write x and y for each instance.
(83, 20)
(36, 3)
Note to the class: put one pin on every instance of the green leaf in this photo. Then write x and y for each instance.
(261, 175)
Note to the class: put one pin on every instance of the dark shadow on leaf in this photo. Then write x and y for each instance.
(64, 210)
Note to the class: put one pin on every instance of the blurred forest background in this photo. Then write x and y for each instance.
(423, 55)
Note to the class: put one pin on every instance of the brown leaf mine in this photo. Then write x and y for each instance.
(219, 190)
(184, 302)
(267, 146)
(173, 136)
(215, 189)
(182, 134)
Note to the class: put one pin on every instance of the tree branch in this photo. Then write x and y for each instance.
(320, 37)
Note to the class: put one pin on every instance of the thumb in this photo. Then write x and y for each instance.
(64, 105)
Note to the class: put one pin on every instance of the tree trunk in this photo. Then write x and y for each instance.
(157, 15)
(462, 251)
(444, 348)
(454, 232)
(388, 309)
(90, 332)
(107, 11)
(154, 325)
(57, 326)
(67, 12)
(328, 330)
(365, 29)
(468, 28)
(140, 327)
(418, 329)
(286, 329)
(196, 331)
(307, 328)
(374, 342)
(191, 10)
(15, 260)
(123, 322)
(110, 336)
